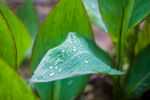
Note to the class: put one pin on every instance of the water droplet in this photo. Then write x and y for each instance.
(68, 65)
(56, 67)
(66, 46)
(71, 42)
(86, 61)
(50, 67)
(60, 70)
(68, 55)
(62, 50)
(51, 74)
(78, 56)
(74, 49)
(75, 41)
(70, 82)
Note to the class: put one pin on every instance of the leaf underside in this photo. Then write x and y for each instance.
(74, 57)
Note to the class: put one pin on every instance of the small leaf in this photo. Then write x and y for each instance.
(12, 86)
(94, 14)
(138, 78)
(19, 32)
(74, 57)
(27, 13)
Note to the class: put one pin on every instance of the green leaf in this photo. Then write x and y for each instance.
(120, 15)
(138, 78)
(111, 12)
(74, 57)
(140, 11)
(19, 32)
(12, 86)
(27, 13)
(62, 20)
(144, 37)
(94, 14)
(8, 49)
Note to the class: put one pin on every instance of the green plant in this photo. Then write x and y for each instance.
(65, 54)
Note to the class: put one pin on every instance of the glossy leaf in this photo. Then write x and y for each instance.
(119, 15)
(61, 20)
(8, 50)
(19, 32)
(94, 13)
(27, 13)
(12, 87)
(138, 77)
(143, 37)
(140, 11)
(74, 57)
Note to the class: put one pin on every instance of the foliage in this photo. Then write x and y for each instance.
(64, 52)
(29, 16)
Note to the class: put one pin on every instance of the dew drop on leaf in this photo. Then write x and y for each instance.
(50, 67)
(86, 61)
(62, 50)
(51, 74)
(74, 49)
(70, 82)
(60, 70)
(56, 67)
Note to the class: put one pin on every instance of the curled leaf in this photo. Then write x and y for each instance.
(75, 56)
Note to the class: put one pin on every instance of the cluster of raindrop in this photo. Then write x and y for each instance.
(58, 59)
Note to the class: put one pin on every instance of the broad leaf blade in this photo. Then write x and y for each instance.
(8, 50)
(74, 57)
(27, 13)
(12, 86)
(140, 11)
(20, 33)
(119, 15)
(62, 20)
(138, 77)
(111, 12)
(94, 14)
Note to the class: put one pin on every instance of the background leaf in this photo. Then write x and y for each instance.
(94, 13)
(59, 22)
(8, 49)
(119, 15)
(138, 78)
(74, 57)
(27, 13)
(143, 37)
(18, 30)
(140, 11)
(12, 86)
